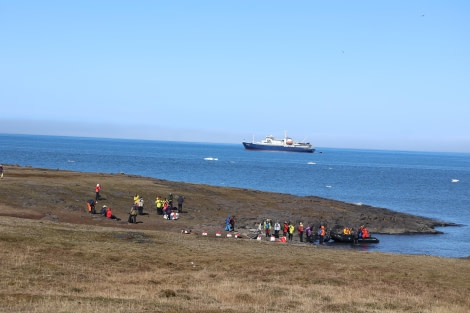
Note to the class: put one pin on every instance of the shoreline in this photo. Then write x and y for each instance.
(61, 195)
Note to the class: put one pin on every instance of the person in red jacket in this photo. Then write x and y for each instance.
(364, 231)
(285, 229)
(109, 214)
(300, 230)
(97, 191)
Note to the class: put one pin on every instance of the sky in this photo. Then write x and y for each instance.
(387, 75)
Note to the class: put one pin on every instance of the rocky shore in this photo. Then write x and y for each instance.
(61, 196)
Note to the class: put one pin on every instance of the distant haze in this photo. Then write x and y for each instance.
(346, 74)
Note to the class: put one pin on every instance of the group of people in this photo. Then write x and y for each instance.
(288, 230)
(362, 232)
(164, 206)
(105, 210)
(136, 209)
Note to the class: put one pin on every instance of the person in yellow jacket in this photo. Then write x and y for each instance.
(136, 198)
(159, 205)
(291, 231)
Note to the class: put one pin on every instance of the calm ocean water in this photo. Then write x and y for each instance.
(419, 183)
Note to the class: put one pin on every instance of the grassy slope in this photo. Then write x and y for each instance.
(60, 267)
(58, 258)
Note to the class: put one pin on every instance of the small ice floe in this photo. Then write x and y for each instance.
(358, 203)
(211, 159)
(311, 163)
(70, 161)
(454, 180)
(328, 186)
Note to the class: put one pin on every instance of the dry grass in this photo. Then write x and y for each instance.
(61, 267)
(55, 257)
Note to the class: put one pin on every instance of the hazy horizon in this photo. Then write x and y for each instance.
(363, 74)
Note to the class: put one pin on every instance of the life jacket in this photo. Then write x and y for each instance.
(291, 229)
(365, 233)
(301, 228)
(322, 232)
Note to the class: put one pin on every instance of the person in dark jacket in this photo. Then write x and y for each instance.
(180, 204)
(133, 214)
(91, 206)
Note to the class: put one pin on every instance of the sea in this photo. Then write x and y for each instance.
(428, 184)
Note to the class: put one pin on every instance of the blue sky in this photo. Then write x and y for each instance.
(347, 74)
